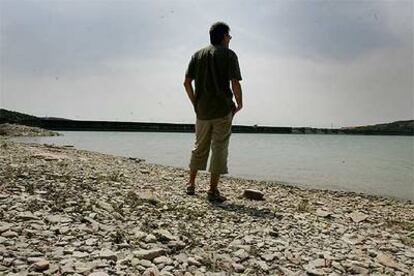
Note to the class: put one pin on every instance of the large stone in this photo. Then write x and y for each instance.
(162, 260)
(149, 254)
(58, 219)
(145, 263)
(106, 206)
(83, 268)
(268, 257)
(323, 214)
(26, 216)
(386, 260)
(356, 269)
(407, 253)
(150, 238)
(53, 269)
(91, 242)
(80, 255)
(311, 271)
(9, 234)
(5, 226)
(108, 254)
(262, 266)
(192, 261)
(41, 265)
(241, 254)
(253, 194)
(358, 216)
(318, 263)
(98, 273)
(164, 235)
(139, 234)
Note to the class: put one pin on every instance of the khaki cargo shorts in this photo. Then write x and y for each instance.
(213, 133)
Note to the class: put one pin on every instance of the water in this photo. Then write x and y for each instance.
(381, 165)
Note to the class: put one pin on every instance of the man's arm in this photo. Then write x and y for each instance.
(189, 89)
(237, 91)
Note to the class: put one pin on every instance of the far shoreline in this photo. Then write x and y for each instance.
(81, 125)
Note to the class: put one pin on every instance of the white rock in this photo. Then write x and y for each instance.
(322, 213)
(107, 254)
(192, 261)
(98, 273)
(162, 260)
(358, 216)
(253, 194)
(149, 254)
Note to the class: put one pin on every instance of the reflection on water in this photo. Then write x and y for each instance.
(381, 165)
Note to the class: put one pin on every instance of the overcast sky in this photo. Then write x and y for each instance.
(303, 63)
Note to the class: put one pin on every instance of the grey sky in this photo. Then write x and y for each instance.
(304, 63)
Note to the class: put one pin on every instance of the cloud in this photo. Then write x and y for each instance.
(303, 62)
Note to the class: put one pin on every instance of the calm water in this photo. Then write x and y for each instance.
(382, 165)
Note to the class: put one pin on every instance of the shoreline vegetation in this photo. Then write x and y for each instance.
(66, 211)
(51, 123)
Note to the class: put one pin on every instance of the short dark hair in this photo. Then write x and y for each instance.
(217, 32)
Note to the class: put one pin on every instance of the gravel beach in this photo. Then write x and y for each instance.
(66, 211)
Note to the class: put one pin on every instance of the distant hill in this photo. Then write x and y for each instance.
(406, 127)
(7, 116)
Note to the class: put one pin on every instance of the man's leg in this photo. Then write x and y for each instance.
(193, 175)
(214, 179)
(220, 143)
(200, 152)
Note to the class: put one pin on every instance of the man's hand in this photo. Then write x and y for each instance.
(189, 89)
(236, 87)
(237, 109)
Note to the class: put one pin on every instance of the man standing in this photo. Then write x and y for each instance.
(213, 68)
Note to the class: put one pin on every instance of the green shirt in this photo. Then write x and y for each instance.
(212, 68)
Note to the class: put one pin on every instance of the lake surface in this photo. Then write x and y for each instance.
(381, 165)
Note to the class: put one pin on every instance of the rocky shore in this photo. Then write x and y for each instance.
(65, 211)
(14, 130)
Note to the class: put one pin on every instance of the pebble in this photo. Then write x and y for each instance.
(107, 254)
(162, 260)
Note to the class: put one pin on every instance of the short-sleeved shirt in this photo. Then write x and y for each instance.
(212, 68)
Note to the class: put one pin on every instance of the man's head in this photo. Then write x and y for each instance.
(219, 34)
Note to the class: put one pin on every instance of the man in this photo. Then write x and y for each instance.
(213, 68)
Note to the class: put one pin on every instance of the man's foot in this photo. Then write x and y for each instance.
(214, 196)
(190, 189)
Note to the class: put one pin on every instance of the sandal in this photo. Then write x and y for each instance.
(190, 190)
